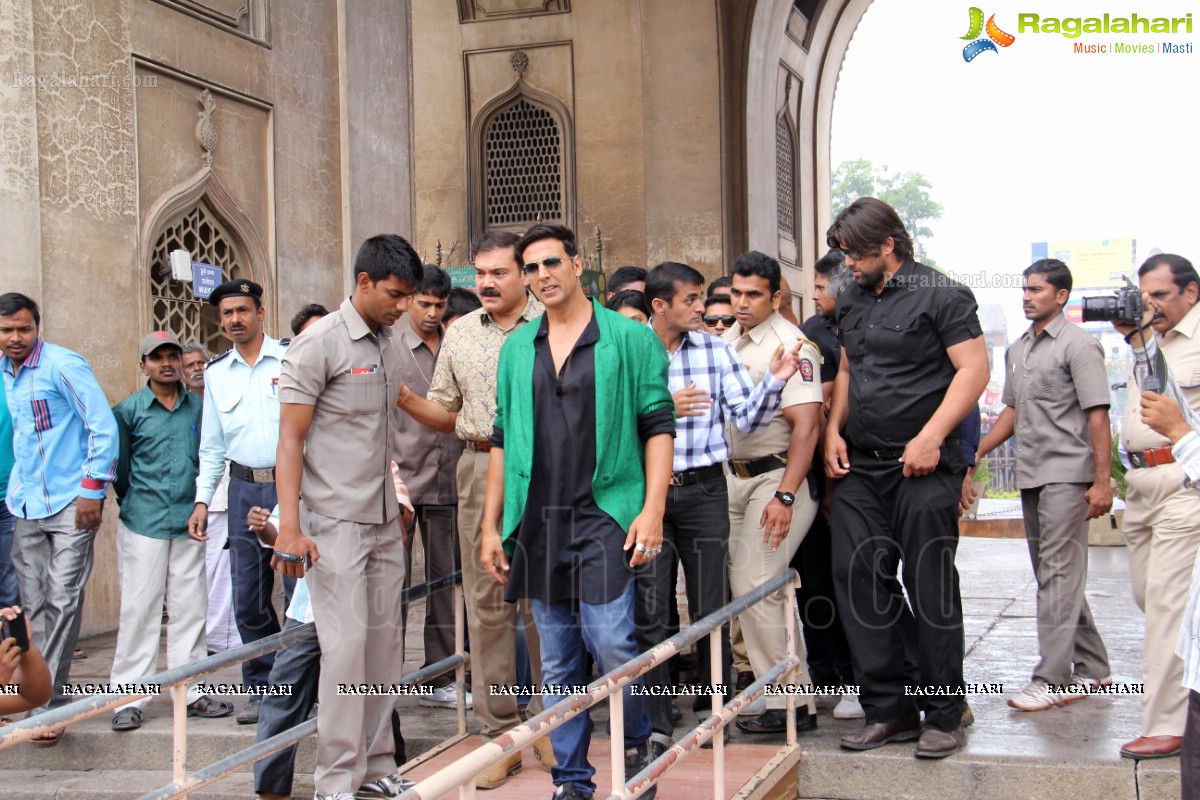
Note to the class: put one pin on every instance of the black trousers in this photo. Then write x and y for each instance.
(824, 639)
(696, 533)
(881, 521)
(253, 578)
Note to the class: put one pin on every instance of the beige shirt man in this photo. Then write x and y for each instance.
(1182, 351)
(1162, 534)
(464, 381)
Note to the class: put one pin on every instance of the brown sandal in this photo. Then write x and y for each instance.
(49, 738)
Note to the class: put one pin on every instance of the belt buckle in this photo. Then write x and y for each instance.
(677, 479)
(1137, 459)
(263, 475)
(740, 469)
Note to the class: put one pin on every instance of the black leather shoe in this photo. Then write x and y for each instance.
(939, 744)
(775, 721)
(877, 734)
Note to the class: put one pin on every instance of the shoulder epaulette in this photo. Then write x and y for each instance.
(215, 359)
(803, 341)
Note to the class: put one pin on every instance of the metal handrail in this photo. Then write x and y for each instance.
(461, 773)
(260, 750)
(97, 704)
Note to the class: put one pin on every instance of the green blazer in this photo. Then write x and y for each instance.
(631, 379)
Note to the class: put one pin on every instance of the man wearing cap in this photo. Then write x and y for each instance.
(159, 430)
(65, 453)
(241, 424)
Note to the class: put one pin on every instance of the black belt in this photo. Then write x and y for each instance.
(756, 467)
(892, 455)
(264, 475)
(690, 476)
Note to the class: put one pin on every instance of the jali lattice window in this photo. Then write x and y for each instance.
(785, 177)
(172, 304)
(523, 166)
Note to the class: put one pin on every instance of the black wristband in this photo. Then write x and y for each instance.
(1129, 336)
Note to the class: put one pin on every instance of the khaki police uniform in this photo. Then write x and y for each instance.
(1162, 530)
(751, 561)
(351, 378)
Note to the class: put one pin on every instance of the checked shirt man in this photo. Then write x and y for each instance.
(711, 386)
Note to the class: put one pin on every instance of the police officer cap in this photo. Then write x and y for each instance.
(239, 288)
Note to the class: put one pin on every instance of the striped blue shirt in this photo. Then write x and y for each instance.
(64, 434)
(714, 366)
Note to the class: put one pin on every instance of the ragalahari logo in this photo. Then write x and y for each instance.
(995, 36)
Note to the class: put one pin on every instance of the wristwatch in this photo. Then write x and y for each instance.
(787, 498)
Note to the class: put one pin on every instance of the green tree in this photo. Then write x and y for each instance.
(907, 192)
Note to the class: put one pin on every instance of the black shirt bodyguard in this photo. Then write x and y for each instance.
(896, 342)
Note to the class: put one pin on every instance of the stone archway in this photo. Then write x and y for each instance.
(791, 62)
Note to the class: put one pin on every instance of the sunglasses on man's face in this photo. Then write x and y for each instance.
(551, 263)
(726, 319)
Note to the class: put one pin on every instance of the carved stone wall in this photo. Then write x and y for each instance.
(639, 85)
(103, 162)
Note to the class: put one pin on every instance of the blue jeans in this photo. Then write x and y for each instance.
(9, 596)
(606, 630)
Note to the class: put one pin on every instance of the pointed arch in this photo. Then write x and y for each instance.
(522, 168)
(200, 195)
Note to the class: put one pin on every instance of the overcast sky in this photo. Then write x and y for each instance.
(1033, 142)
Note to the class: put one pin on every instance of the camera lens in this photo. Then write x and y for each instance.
(1101, 309)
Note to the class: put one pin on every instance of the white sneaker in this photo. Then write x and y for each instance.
(848, 708)
(444, 697)
(1038, 697)
(1091, 684)
(756, 708)
(384, 788)
(334, 796)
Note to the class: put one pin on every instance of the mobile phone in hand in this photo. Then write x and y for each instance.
(15, 629)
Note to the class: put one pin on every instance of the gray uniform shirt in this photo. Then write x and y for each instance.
(1050, 381)
(351, 377)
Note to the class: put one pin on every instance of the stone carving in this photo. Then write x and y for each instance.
(206, 130)
(520, 62)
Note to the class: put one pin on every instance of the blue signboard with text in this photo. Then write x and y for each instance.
(205, 278)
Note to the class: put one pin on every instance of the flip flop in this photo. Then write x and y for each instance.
(48, 739)
(207, 707)
(127, 719)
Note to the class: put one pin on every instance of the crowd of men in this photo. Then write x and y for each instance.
(576, 458)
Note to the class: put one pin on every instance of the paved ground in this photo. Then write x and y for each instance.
(1063, 753)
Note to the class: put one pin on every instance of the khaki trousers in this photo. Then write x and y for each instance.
(1162, 530)
(752, 563)
(355, 588)
(492, 622)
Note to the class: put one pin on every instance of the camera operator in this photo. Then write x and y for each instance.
(23, 667)
(1161, 514)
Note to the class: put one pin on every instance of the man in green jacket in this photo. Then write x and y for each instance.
(580, 463)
